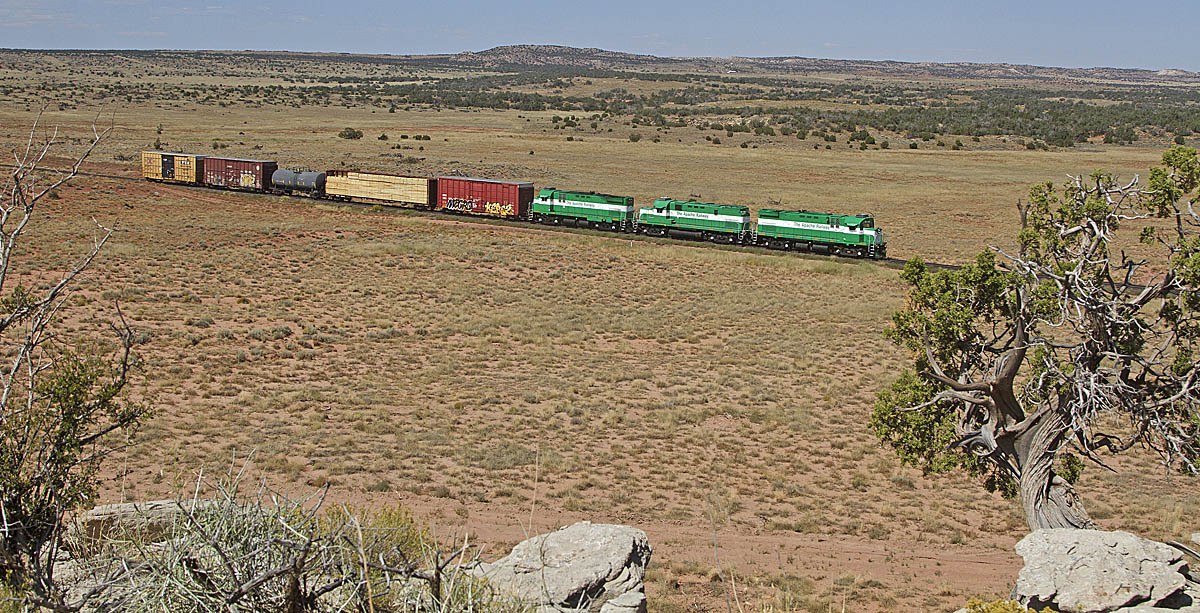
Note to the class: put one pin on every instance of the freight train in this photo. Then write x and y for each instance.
(846, 235)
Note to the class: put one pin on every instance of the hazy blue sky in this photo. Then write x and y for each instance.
(1148, 34)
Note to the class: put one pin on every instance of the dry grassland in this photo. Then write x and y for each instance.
(491, 375)
(943, 205)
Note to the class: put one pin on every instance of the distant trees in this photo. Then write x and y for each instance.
(862, 136)
(1025, 363)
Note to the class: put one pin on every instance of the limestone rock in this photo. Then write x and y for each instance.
(629, 602)
(586, 567)
(1194, 608)
(148, 519)
(1092, 571)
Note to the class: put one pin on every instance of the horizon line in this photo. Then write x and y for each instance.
(634, 53)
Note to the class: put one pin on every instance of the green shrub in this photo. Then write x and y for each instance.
(350, 134)
(274, 333)
(975, 605)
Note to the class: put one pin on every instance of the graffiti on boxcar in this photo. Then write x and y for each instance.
(465, 205)
(499, 209)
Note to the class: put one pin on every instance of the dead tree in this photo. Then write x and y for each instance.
(58, 405)
(1063, 349)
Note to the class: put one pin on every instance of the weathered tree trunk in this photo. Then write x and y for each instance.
(1048, 500)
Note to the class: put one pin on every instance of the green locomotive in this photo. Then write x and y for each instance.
(588, 209)
(852, 235)
(720, 223)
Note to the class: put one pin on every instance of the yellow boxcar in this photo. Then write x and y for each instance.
(379, 187)
(173, 167)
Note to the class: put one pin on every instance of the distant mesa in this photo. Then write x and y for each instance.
(526, 56)
(554, 55)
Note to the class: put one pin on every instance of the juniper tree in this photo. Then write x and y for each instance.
(1068, 348)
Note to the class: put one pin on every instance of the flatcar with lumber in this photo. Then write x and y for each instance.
(381, 188)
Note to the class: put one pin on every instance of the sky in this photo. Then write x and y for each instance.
(1151, 34)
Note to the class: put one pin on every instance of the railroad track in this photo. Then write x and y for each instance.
(895, 263)
(84, 174)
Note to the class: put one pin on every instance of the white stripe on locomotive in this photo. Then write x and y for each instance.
(694, 215)
(586, 205)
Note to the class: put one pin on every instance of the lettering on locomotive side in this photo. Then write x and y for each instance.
(805, 225)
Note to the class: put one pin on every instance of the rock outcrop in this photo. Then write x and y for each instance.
(1092, 571)
(148, 519)
(583, 567)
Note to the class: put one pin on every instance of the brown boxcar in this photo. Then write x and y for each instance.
(236, 173)
(380, 187)
(484, 197)
(172, 167)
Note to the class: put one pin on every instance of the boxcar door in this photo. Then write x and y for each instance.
(168, 167)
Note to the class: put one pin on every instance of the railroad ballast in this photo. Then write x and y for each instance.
(846, 235)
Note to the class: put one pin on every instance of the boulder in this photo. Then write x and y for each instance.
(1092, 571)
(583, 567)
(148, 520)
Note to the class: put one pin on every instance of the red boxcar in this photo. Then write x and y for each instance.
(235, 173)
(484, 197)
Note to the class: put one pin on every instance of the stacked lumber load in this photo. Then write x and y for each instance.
(371, 186)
